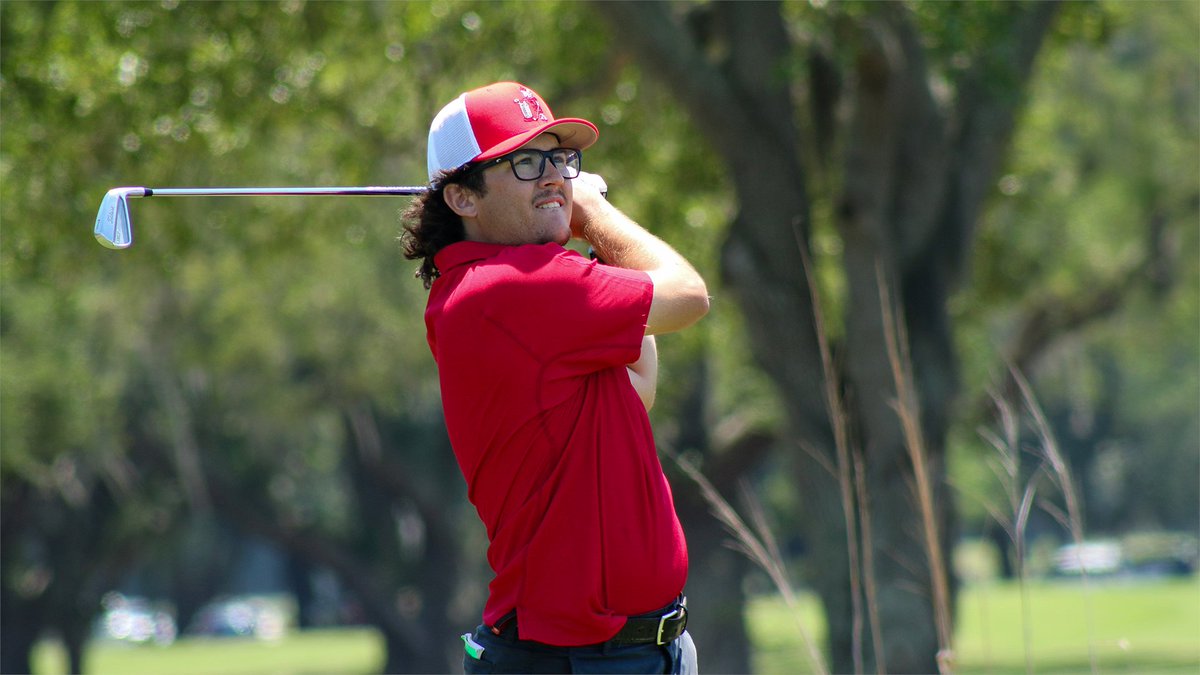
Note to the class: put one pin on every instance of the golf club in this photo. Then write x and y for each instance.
(114, 229)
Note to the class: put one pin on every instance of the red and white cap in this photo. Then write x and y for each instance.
(490, 121)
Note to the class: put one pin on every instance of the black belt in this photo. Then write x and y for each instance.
(660, 628)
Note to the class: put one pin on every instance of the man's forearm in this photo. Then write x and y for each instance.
(680, 295)
(623, 243)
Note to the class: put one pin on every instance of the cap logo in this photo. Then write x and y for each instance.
(531, 110)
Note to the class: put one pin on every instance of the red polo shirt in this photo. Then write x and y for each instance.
(531, 344)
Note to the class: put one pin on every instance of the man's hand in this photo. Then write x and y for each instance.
(594, 180)
(589, 191)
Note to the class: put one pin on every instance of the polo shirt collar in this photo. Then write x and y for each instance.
(465, 252)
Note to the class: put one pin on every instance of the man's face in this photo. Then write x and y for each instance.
(518, 211)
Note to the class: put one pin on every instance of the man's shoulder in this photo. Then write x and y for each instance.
(492, 271)
(538, 253)
(527, 263)
(475, 253)
(531, 272)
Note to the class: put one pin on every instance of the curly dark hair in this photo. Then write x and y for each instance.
(430, 225)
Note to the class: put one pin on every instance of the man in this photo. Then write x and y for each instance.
(548, 366)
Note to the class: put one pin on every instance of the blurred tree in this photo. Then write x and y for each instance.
(881, 128)
(1082, 268)
(264, 370)
(261, 363)
(879, 134)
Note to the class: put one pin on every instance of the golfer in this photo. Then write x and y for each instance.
(548, 366)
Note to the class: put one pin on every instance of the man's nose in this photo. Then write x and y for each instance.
(551, 175)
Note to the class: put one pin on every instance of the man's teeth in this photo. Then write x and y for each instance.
(550, 205)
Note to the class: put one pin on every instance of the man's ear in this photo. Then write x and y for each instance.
(461, 200)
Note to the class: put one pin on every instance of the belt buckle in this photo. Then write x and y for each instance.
(662, 622)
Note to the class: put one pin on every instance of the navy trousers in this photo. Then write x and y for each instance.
(504, 654)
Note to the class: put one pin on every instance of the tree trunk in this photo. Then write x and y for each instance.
(20, 615)
(426, 563)
(299, 580)
(74, 641)
(408, 642)
(716, 595)
(22, 626)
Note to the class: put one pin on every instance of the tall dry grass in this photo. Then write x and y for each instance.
(907, 406)
(1006, 465)
(758, 544)
(846, 477)
(1021, 492)
(868, 561)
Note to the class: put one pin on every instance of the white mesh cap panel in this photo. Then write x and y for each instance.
(451, 141)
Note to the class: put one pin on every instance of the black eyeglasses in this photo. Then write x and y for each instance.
(530, 163)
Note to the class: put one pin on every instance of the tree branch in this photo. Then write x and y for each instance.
(986, 106)
(921, 151)
(757, 70)
(1051, 318)
(650, 31)
(390, 475)
(313, 547)
(731, 465)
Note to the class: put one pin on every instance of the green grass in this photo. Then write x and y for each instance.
(317, 652)
(1140, 627)
(1137, 626)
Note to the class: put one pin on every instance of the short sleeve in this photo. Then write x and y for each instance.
(563, 308)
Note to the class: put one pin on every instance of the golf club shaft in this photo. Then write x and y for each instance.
(270, 191)
(115, 230)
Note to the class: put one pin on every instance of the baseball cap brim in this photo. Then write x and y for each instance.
(572, 132)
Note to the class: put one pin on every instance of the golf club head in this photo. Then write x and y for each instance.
(113, 228)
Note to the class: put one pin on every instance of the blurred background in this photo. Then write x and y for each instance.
(951, 377)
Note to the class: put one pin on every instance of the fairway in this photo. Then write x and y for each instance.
(1139, 626)
(351, 651)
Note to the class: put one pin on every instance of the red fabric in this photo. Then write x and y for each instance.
(531, 344)
(507, 115)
